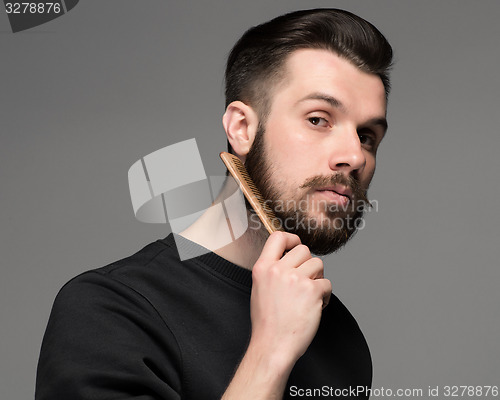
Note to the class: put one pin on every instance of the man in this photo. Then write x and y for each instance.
(306, 103)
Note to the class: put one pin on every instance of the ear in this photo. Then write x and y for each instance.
(240, 122)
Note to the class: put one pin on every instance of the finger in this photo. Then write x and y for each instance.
(312, 268)
(277, 243)
(297, 256)
(326, 289)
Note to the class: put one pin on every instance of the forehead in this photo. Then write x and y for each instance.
(312, 71)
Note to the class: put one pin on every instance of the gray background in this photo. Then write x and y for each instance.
(86, 95)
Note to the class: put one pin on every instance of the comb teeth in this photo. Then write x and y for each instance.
(240, 174)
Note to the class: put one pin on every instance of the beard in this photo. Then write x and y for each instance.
(324, 234)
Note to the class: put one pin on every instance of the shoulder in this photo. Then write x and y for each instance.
(122, 289)
(134, 276)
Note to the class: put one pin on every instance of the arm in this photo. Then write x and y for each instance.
(288, 295)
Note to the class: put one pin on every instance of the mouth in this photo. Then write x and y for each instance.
(336, 195)
(337, 190)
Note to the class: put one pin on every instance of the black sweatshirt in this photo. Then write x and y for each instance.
(153, 327)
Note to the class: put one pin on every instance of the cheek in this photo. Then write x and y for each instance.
(288, 146)
(369, 170)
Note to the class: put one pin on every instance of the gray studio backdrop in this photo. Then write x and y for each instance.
(85, 96)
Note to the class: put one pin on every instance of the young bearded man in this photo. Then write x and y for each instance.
(306, 101)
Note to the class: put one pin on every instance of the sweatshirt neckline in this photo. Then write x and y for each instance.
(215, 262)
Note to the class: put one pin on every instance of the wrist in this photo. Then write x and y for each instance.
(274, 360)
(261, 375)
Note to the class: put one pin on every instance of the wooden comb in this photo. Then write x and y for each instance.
(252, 194)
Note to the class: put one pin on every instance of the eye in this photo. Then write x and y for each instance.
(367, 138)
(318, 121)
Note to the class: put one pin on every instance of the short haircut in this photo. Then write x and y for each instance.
(255, 64)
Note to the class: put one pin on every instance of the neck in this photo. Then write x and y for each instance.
(211, 231)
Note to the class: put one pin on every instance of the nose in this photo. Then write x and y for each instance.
(346, 154)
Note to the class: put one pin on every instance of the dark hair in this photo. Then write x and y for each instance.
(255, 64)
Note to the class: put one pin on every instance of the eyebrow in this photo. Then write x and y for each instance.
(382, 122)
(324, 97)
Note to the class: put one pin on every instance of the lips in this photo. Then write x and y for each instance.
(334, 197)
(338, 189)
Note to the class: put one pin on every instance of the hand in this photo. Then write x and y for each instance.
(288, 295)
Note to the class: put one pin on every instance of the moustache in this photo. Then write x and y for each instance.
(358, 192)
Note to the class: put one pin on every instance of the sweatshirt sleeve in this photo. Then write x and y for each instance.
(104, 340)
